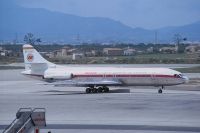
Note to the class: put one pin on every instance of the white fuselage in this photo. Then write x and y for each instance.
(128, 76)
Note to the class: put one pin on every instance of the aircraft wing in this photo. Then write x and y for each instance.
(100, 83)
(103, 82)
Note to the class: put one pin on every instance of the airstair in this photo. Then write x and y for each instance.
(27, 119)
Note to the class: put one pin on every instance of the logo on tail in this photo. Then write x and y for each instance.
(30, 57)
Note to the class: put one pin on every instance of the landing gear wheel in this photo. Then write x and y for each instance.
(100, 90)
(106, 89)
(160, 91)
(88, 90)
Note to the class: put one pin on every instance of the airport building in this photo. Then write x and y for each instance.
(113, 51)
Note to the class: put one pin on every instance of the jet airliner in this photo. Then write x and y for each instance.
(97, 79)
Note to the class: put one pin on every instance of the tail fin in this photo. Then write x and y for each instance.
(34, 62)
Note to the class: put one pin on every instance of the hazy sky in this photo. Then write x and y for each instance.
(148, 14)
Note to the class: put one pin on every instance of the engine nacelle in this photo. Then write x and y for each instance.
(54, 74)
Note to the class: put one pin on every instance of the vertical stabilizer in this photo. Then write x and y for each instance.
(34, 62)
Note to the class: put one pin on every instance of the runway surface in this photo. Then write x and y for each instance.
(69, 109)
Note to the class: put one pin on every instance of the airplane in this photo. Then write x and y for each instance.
(97, 79)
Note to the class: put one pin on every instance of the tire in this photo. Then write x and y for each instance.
(88, 90)
(160, 91)
(100, 90)
(106, 89)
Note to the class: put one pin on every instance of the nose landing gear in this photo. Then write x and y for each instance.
(161, 90)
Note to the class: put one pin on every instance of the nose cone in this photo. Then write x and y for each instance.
(186, 79)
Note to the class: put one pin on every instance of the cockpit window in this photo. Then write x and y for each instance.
(178, 75)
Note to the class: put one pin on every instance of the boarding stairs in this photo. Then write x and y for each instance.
(27, 119)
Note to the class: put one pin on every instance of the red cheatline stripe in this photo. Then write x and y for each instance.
(124, 75)
(120, 75)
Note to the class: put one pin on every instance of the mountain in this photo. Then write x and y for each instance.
(55, 26)
(190, 31)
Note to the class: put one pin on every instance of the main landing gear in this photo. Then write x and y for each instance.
(99, 89)
(161, 90)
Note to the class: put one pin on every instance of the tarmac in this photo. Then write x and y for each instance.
(123, 110)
